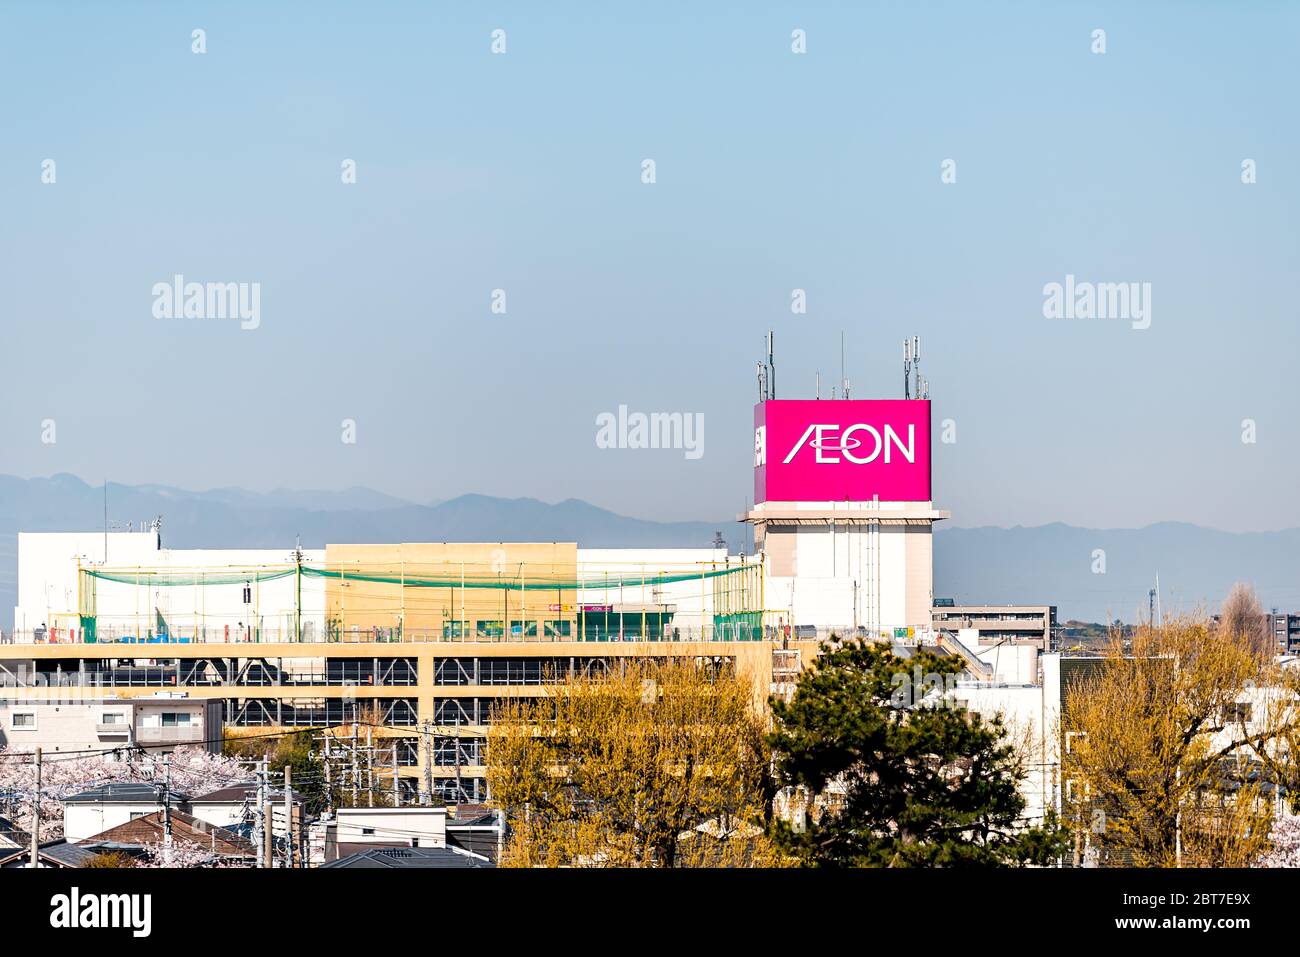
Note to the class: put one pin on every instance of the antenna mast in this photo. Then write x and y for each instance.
(914, 384)
(844, 379)
(771, 366)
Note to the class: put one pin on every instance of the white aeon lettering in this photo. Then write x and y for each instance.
(847, 444)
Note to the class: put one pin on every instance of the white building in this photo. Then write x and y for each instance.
(42, 717)
(843, 513)
(1030, 712)
(236, 805)
(845, 566)
(353, 829)
(97, 810)
(145, 593)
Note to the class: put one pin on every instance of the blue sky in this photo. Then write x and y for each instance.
(775, 171)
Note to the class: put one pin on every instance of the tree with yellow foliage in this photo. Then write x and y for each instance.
(659, 764)
(1173, 748)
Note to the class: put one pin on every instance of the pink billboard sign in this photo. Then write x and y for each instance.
(826, 450)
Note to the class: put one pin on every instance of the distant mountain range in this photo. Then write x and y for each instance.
(1047, 564)
(236, 518)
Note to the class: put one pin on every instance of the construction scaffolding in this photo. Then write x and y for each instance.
(464, 601)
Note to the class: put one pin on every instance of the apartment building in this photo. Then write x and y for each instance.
(39, 715)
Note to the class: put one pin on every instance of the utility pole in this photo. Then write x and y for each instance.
(36, 814)
(355, 773)
(427, 796)
(167, 809)
(288, 816)
(268, 833)
(456, 741)
(329, 782)
(259, 823)
(370, 767)
(397, 791)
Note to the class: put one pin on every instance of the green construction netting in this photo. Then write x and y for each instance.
(157, 578)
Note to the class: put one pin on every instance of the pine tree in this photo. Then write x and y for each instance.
(893, 775)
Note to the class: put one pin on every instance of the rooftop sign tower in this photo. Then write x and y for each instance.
(843, 507)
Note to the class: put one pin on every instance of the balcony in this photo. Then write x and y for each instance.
(113, 729)
(176, 735)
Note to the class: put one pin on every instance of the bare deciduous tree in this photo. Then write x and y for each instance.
(1242, 616)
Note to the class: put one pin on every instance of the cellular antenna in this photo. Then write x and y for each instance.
(907, 368)
(913, 382)
(917, 382)
(771, 366)
(844, 380)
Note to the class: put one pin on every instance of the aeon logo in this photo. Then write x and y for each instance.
(822, 439)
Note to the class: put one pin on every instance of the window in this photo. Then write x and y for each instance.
(453, 671)
(367, 830)
(558, 629)
(25, 720)
(523, 629)
(176, 719)
(452, 630)
(1238, 712)
(112, 717)
(490, 629)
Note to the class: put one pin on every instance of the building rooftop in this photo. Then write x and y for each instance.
(401, 858)
(62, 854)
(149, 829)
(242, 792)
(124, 792)
(12, 836)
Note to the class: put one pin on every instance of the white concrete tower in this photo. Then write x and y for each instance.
(843, 513)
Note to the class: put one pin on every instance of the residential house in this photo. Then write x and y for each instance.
(151, 831)
(99, 809)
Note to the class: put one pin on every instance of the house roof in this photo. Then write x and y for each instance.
(242, 792)
(60, 853)
(19, 858)
(12, 836)
(402, 858)
(57, 853)
(483, 820)
(124, 792)
(477, 840)
(149, 829)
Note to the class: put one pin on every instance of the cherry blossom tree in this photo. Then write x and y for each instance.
(179, 854)
(1285, 841)
(193, 770)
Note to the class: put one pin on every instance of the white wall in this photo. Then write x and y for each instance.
(48, 589)
(399, 826)
(1011, 664)
(1031, 714)
(226, 814)
(81, 821)
(877, 577)
(47, 571)
(63, 726)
